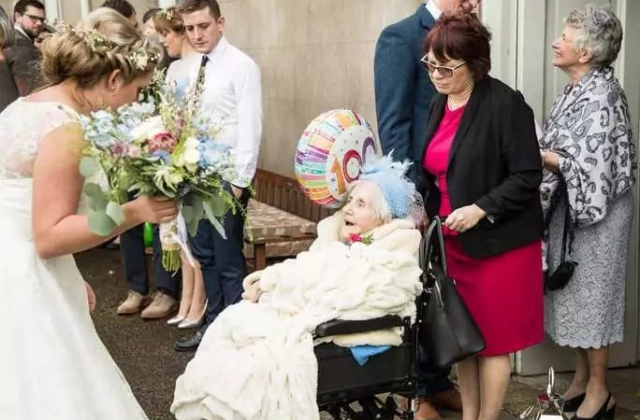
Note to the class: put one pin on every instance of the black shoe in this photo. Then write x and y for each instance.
(189, 343)
(605, 412)
(571, 405)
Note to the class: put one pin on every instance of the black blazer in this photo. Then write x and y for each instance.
(495, 163)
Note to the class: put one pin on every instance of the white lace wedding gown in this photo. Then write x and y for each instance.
(53, 365)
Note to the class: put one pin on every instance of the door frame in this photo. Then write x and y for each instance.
(518, 28)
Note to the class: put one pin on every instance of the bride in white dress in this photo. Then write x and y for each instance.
(53, 365)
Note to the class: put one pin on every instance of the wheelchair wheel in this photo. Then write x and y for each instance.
(373, 408)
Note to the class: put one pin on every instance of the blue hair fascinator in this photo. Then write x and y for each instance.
(399, 192)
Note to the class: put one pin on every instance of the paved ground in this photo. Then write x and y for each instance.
(144, 352)
(142, 349)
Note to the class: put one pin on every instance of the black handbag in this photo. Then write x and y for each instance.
(563, 273)
(447, 331)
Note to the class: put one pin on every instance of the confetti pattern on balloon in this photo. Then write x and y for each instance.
(331, 153)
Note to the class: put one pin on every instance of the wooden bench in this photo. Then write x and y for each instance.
(282, 220)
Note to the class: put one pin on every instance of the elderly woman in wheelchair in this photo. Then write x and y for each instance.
(257, 359)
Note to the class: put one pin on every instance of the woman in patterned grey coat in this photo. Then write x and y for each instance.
(589, 163)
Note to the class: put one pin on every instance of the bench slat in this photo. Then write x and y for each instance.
(280, 213)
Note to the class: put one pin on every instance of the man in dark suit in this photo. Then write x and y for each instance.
(403, 92)
(23, 57)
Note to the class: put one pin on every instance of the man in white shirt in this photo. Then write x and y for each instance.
(233, 94)
(403, 92)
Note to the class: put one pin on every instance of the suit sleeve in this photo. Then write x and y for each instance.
(520, 151)
(394, 78)
(25, 65)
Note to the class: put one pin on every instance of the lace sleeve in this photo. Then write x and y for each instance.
(23, 126)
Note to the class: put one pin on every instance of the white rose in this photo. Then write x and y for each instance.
(191, 143)
(175, 178)
(191, 156)
(148, 128)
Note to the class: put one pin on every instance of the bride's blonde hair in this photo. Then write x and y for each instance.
(102, 42)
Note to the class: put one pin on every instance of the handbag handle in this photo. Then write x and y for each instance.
(426, 255)
(434, 233)
(562, 192)
(567, 233)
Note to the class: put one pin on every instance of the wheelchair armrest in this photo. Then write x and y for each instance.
(340, 327)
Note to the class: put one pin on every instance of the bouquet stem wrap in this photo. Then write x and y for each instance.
(173, 239)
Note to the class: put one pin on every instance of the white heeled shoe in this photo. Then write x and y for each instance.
(190, 323)
(176, 320)
(194, 323)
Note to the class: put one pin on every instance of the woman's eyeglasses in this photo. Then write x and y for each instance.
(444, 71)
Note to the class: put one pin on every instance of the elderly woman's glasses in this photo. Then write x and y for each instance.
(444, 71)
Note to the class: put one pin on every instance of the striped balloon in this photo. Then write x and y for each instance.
(330, 155)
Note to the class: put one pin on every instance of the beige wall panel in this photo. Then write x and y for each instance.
(315, 55)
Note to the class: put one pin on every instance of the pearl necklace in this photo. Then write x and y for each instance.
(452, 106)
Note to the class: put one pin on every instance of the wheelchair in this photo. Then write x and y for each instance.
(342, 382)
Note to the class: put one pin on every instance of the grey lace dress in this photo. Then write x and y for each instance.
(589, 311)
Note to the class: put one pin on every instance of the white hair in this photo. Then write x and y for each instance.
(380, 205)
(598, 30)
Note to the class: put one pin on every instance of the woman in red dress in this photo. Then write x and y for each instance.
(481, 173)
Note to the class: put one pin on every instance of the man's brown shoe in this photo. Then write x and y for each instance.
(133, 303)
(447, 400)
(162, 306)
(425, 411)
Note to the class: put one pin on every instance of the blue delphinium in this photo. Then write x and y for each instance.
(212, 154)
(133, 114)
(163, 155)
(98, 128)
(180, 90)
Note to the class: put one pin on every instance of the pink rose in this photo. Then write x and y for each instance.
(134, 151)
(119, 149)
(162, 141)
(354, 237)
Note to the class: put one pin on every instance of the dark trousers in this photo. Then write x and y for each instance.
(135, 263)
(222, 260)
(432, 381)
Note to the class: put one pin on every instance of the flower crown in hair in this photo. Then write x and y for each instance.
(167, 14)
(99, 44)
